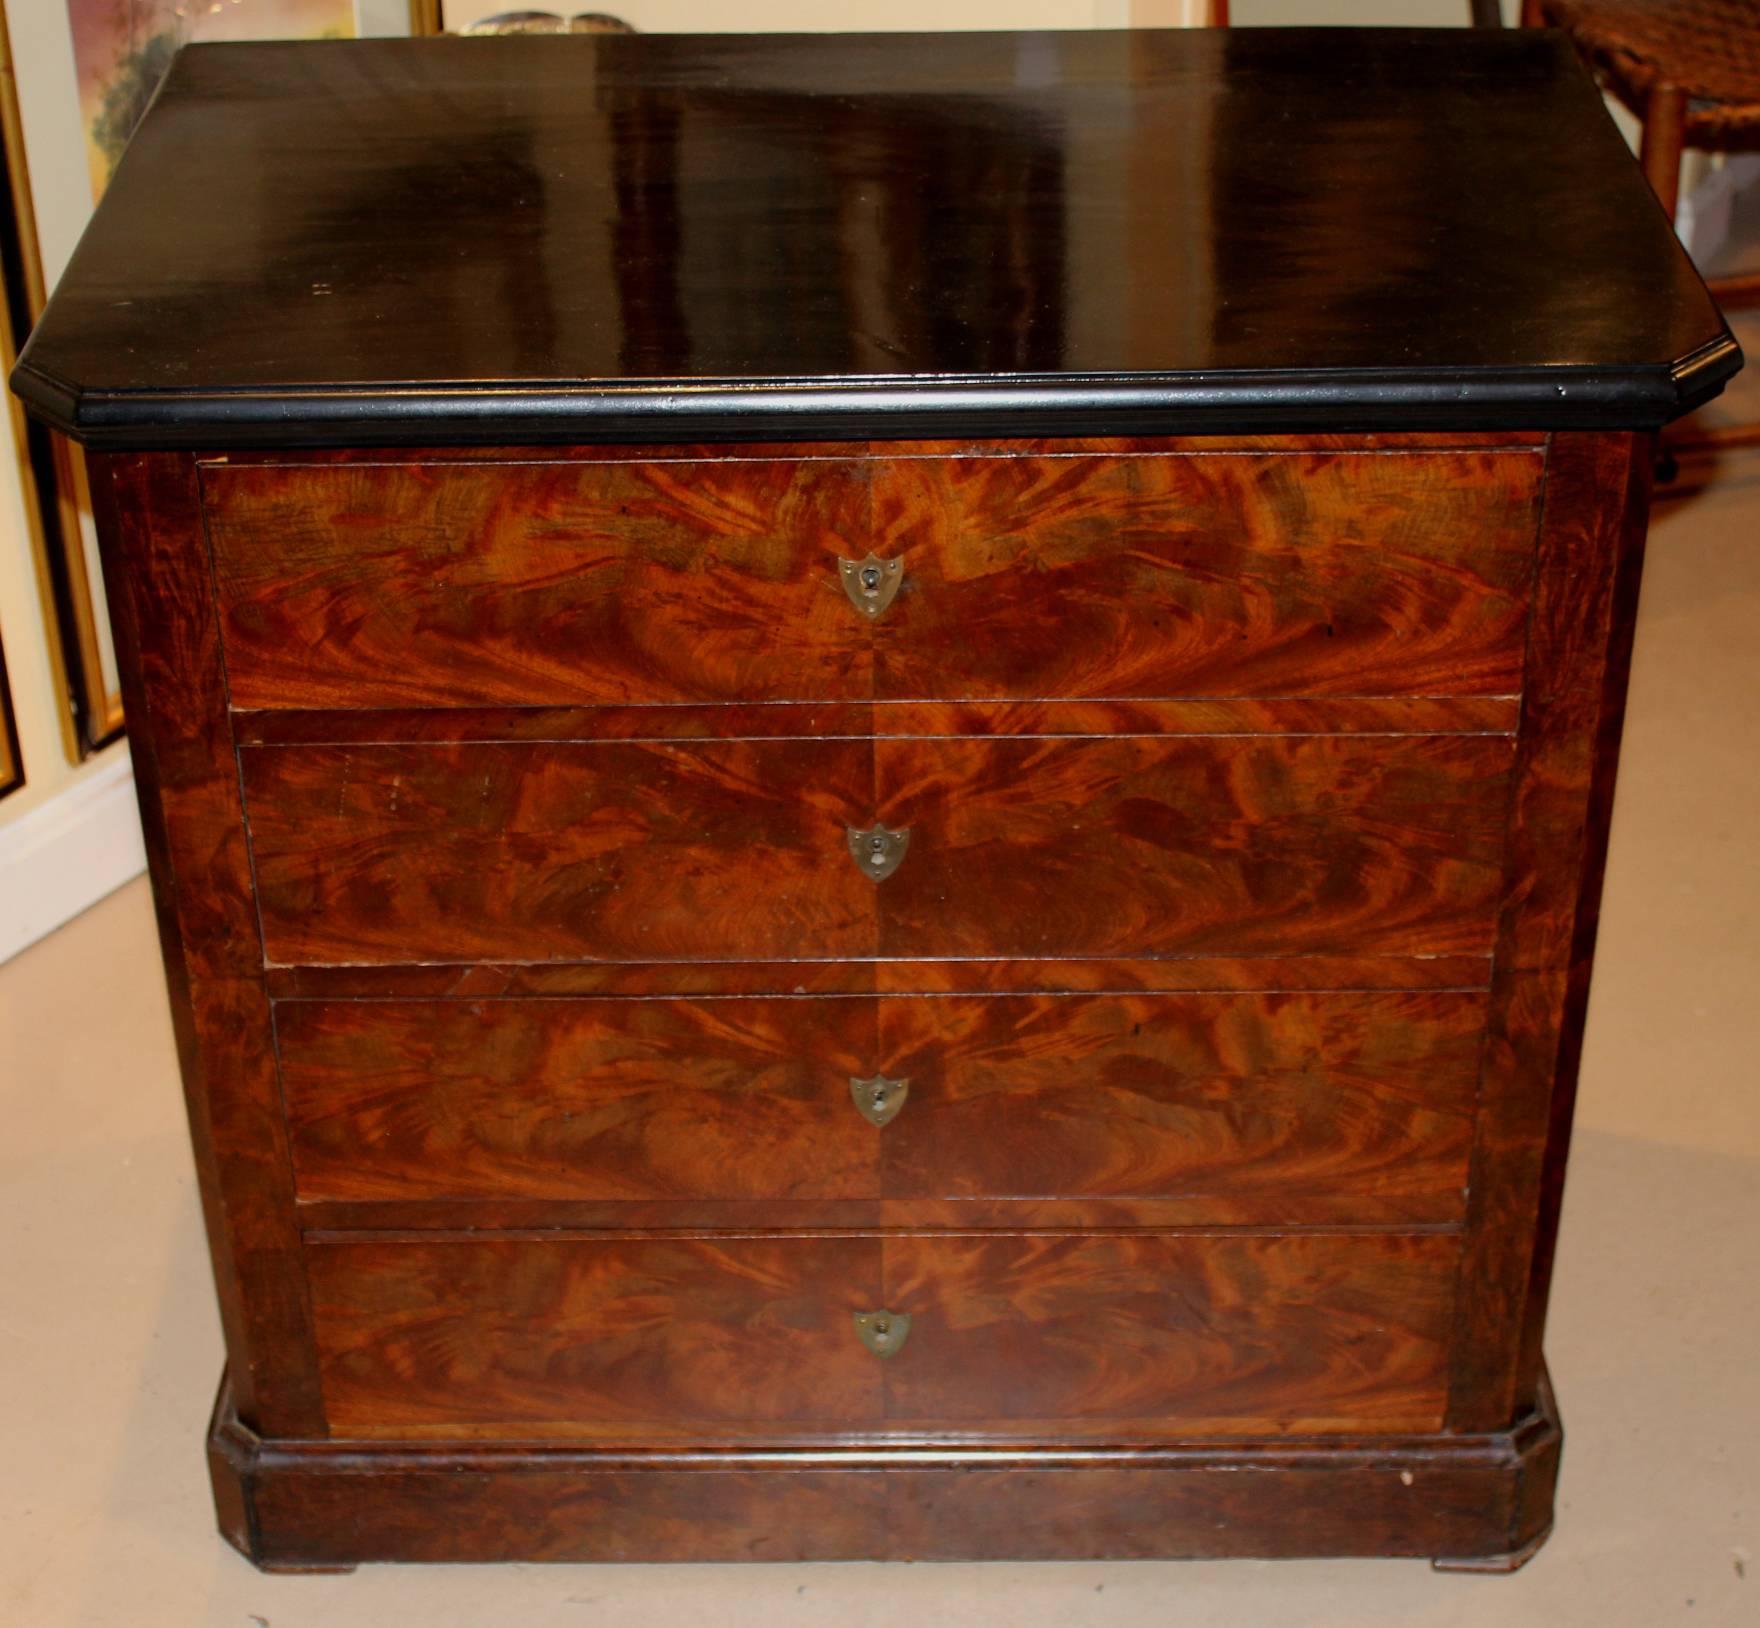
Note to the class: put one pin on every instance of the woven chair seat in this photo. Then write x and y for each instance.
(1709, 48)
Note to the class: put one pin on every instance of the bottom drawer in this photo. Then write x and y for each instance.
(708, 1338)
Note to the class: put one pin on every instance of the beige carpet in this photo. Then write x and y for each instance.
(109, 1348)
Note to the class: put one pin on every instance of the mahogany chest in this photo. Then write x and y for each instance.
(877, 772)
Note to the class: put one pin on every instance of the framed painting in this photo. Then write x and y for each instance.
(122, 49)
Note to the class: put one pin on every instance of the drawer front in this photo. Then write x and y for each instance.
(708, 1337)
(1311, 1107)
(673, 1335)
(577, 1099)
(620, 851)
(1211, 574)
(1243, 845)
(630, 851)
(1177, 1333)
(540, 583)
(554, 583)
(1253, 1108)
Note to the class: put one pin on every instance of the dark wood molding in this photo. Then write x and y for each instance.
(738, 409)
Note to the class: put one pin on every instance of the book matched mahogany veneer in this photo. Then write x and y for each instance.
(738, 850)
(928, 904)
(1176, 1002)
(1195, 1108)
(1080, 1335)
(1048, 573)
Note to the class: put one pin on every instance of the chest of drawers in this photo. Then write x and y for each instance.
(883, 841)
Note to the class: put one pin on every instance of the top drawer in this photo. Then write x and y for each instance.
(581, 582)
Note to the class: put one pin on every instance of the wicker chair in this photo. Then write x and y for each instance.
(1689, 70)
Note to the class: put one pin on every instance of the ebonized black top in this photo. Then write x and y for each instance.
(677, 237)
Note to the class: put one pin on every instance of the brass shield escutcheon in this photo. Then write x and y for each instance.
(883, 1332)
(871, 583)
(879, 1099)
(877, 851)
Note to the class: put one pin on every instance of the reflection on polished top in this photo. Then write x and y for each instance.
(674, 236)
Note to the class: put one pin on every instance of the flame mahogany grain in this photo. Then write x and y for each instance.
(1273, 1108)
(613, 851)
(736, 850)
(1242, 1018)
(1270, 574)
(1299, 574)
(444, 584)
(1193, 845)
(1159, 1335)
(1344, 1107)
(615, 1099)
(673, 1335)
(687, 1339)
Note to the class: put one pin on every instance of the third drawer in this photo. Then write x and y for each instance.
(1191, 1108)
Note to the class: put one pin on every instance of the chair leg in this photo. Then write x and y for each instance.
(1665, 116)
(1531, 17)
(1219, 13)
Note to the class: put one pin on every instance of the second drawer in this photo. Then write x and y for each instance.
(1284, 1107)
(1127, 845)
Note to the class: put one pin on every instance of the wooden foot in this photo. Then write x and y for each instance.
(1499, 1565)
(279, 1568)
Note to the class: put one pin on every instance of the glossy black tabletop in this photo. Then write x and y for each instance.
(698, 236)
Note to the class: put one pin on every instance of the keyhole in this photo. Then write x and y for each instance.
(882, 1330)
(877, 846)
(879, 1096)
(871, 579)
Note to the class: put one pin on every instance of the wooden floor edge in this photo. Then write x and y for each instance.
(1469, 1503)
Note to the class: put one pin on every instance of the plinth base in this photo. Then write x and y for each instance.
(1469, 1503)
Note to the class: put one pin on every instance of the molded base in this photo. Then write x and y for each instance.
(1499, 1565)
(1470, 1503)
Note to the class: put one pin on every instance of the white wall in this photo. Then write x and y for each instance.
(70, 834)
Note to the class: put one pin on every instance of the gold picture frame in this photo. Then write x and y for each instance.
(11, 763)
(50, 473)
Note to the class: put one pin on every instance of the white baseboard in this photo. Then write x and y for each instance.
(63, 857)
